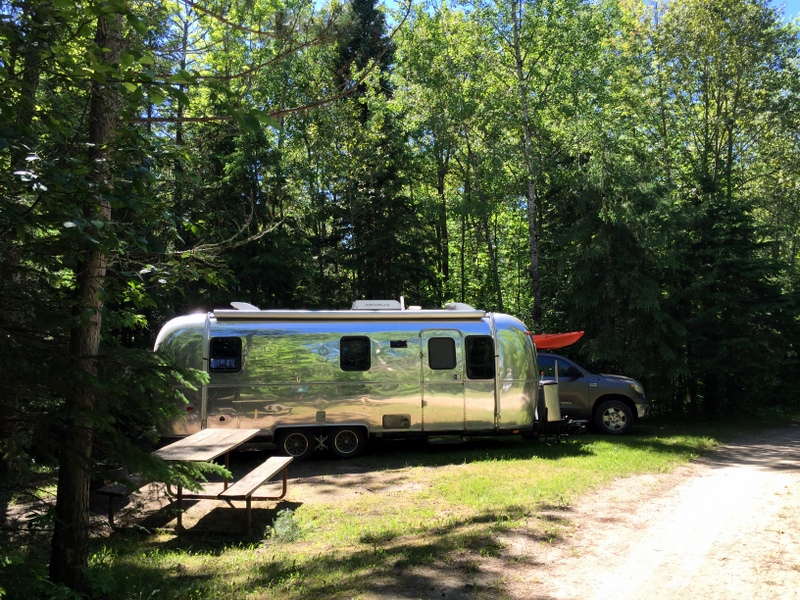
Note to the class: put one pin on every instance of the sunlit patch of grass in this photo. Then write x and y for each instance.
(47, 491)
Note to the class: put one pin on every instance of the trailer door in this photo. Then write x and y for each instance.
(442, 380)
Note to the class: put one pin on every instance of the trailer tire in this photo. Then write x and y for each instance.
(297, 443)
(347, 442)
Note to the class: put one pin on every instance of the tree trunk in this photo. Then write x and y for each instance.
(462, 259)
(533, 242)
(484, 229)
(442, 159)
(27, 53)
(530, 174)
(70, 544)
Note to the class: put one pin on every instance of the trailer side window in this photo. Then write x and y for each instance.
(442, 353)
(480, 357)
(354, 353)
(226, 355)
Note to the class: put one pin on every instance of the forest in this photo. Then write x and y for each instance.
(629, 168)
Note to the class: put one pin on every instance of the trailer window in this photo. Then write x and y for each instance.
(480, 357)
(442, 353)
(354, 353)
(226, 355)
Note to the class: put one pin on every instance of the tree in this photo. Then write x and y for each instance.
(70, 544)
(382, 242)
(91, 238)
(543, 66)
(720, 64)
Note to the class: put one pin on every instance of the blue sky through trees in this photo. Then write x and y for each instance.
(791, 8)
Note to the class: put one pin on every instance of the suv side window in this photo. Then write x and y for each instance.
(547, 367)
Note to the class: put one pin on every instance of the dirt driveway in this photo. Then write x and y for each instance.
(726, 527)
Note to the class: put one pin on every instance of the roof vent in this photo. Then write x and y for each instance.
(377, 305)
(458, 306)
(244, 306)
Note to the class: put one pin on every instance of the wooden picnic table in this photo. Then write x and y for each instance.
(206, 445)
(209, 444)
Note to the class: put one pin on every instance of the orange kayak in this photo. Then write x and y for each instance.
(551, 341)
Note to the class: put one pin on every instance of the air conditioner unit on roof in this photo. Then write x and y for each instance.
(458, 306)
(377, 305)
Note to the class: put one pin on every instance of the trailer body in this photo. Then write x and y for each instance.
(332, 379)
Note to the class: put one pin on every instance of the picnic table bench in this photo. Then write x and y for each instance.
(204, 446)
(244, 488)
(119, 490)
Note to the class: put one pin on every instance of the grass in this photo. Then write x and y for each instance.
(443, 514)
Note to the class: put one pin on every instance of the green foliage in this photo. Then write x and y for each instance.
(285, 528)
(724, 288)
(417, 183)
(608, 275)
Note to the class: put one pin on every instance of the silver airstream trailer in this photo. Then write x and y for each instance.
(331, 379)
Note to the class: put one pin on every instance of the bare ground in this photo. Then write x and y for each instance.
(725, 527)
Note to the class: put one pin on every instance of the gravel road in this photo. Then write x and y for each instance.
(726, 527)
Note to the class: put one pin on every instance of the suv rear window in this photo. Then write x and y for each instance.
(547, 366)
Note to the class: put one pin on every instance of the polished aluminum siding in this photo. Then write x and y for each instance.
(186, 339)
(291, 375)
(517, 375)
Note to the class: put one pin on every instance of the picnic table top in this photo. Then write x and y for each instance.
(206, 444)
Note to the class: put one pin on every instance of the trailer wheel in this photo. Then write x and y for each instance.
(297, 443)
(347, 442)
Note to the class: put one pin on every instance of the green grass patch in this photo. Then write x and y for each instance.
(444, 513)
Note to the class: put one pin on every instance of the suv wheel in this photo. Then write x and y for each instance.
(613, 417)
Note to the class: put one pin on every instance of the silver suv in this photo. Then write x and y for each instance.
(612, 403)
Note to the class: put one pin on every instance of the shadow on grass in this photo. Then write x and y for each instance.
(461, 559)
(397, 454)
(375, 468)
(383, 456)
(380, 468)
(387, 455)
(465, 558)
